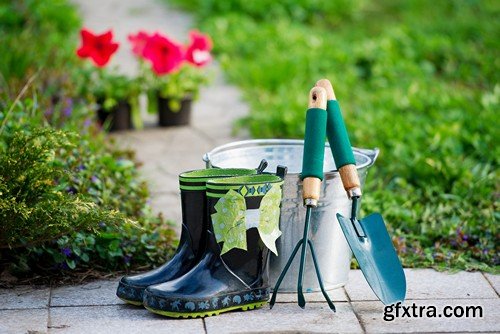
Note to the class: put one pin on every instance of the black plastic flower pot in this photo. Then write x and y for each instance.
(119, 118)
(168, 117)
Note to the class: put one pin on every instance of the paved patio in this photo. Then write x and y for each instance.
(93, 308)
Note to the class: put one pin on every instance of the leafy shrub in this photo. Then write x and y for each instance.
(62, 174)
(418, 79)
(35, 206)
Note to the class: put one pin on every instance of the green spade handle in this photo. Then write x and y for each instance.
(340, 143)
(314, 147)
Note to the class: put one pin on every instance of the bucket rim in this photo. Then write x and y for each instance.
(370, 154)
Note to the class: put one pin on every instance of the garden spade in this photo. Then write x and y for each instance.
(367, 237)
(312, 175)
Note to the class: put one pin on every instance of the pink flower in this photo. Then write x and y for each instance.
(198, 51)
(164, 54)
(99, 48)
(138, 42)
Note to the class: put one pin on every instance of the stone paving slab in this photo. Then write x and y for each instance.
(428, 284)
(24, 297)
(372, 314)
(164, 182)
(336, 295)
(116, 319)
(494, 280)
(167, 151)
(169, 204)
(152, 140)
(182, 162)
(220, 105)
(94, 308)
(32, 321)
(102, 292)
(287, 318)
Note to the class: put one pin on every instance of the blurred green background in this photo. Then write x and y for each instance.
(418, 79)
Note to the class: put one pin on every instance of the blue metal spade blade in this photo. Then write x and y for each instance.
(376, 256)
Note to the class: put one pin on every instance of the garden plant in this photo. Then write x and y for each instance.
(115, 94)
(171, 73)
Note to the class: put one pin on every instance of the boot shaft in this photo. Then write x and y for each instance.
(244, 214)
(194, 203)
(194, 219)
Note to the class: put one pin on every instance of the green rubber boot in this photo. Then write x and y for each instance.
(233, 273)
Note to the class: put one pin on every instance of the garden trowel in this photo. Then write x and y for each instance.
(367, 237)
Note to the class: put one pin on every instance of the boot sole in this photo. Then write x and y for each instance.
(193, 315)
(131, 302)
(124, 291)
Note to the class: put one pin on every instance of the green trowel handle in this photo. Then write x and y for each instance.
(314, 146)
(341, 149)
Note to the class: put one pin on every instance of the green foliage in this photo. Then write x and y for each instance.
(34, 204)
(418, 79)
(310, 12)
(109, 247)
(36, 36)
(106, 88)
(104, 85)
(58, 174)
(182, 84)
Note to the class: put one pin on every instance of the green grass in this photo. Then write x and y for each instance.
(418, 79)
(36, 37)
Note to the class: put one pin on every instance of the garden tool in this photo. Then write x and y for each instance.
(192, 243)
(233, 273)
(367, 237)
(312, 175)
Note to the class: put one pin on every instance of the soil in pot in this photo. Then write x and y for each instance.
(119, 118)
(167, 117)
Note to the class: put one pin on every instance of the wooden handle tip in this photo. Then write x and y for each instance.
(317, 98)
(326, 84)
(311, 188)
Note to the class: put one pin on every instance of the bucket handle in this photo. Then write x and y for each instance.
(206, 159)
(370, 153)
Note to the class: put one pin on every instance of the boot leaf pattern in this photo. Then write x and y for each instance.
(230, 223)
(269, 218)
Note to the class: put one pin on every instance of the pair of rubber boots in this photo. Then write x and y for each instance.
(230, 221)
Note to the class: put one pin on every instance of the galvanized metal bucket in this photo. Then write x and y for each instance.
(332, 250)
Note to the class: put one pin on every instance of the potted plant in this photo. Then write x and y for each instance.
(115, 95)
(117, 100)
(172, 73)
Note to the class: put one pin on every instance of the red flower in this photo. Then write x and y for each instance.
(164, 54)
(198, 52)
(99, 48)
(138, 42)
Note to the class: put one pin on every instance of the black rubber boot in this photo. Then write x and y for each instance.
(233, 272)
(193, 239)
